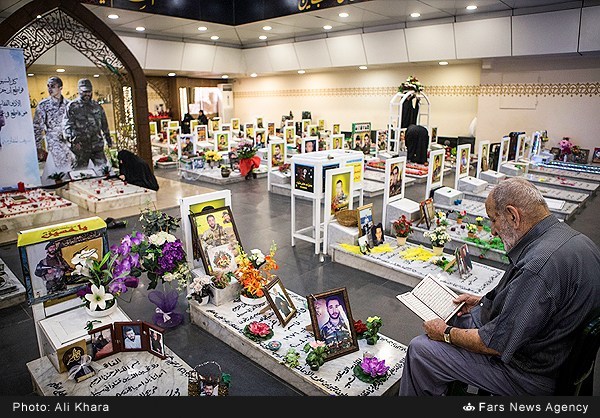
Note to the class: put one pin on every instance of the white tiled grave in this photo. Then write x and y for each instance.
(491, 176)
(549, 192)
(562, 172)
(121, 374)
(100, 194)
(562, 183)
(12, 291)
(214, 175)
(391, 266)
(458, 233)
(561, 209)
(472, 184)
(397, 208)
(334, 378)
(22, 210)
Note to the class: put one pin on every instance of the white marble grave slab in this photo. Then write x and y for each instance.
(564, 172)
(335, 377)
(472, 184)
(338, 234)
(122, 374)
(400, 207)
(280, 178)
(447, 195)
(372, 188)
(483, 278)
(214, 175)
(563, 183)
(549, 192)
(491, 176)
(100, 195)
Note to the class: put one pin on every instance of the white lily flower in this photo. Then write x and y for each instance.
(98, 297)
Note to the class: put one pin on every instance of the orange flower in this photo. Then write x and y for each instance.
(253, 278)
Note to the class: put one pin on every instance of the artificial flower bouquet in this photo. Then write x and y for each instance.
(199, 288)
(461, 215)
(439, 236)
(374, 324)
(371, 370)
(402, 226)
(441, 218)
(471, 228)
(411, 83)
(255, 270)
(479, 221)
(212, 156)
(258, 331)
(316, 354)
(566, 146)
(245, 149)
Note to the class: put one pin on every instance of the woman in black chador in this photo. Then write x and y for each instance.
(417, 142)
(135, 170)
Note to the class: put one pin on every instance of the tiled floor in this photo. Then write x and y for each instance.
(261, 217)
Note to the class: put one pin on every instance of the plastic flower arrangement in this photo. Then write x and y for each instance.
(371, 370)
(441, 218)
(402, 226)
(291, 358)
(199, 288)
(374, 323)
(221, 279)
(245, 149)
(479, 221)
(258, 331)
(317, 353)
(285, 168)
(439, 236)
(108, 278)
(461, 215)
(565, 146)
(471, 228)
(411, 83)
(360, 327)
(254, 270)
(212, 156)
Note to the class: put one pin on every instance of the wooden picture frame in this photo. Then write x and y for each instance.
(427, 212)
(129, 335)
(280, 301)
(155, 337)
(328, 306)
(219, 245)
(596, 155)
(582, 156)
(463, 261)
(103, 342)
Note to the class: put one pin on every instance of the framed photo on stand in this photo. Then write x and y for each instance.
(365, 221)
(102, 341)
(596, 155)
(280, 301)
(427, 212)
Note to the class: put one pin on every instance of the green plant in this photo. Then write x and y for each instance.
(58, 176)
(291, 358)
(317, 353)
(374, 323)
(221, 279)
(154, 221)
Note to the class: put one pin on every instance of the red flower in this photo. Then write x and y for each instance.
(359, 326)
(259, 328)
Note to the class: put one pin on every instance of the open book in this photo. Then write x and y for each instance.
(431, 299)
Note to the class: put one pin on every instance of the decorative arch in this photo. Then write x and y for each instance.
(161, 86)
(68, 21)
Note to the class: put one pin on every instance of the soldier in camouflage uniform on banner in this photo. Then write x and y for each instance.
(48, 126)
(86, 127)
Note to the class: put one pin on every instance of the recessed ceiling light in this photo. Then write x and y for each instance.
(443, 62)
(327, 27)
(140, 28)
(214, 37)
(30, 74)
(267, 28)
(60, 70)
(362, 67)
(471, 7)
(253, 75)
(202, 28)
(416, 14)
(96, 75)
(301, 71)
(38, 17)
(224, 76)
(113, 16)
(171, 74)
(262, 37)
(343, 14)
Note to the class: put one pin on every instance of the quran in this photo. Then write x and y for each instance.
(431, 299)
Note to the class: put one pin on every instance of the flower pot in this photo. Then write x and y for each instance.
(459, 220)
(102, 313)
(438, 250)
(203, 301)
(471, 234)
(479, 228)
(252, 301)
(372, 340)
(401, 241)
(314, 367)
(225, 172)
(228, 294)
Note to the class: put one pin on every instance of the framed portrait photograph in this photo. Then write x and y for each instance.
(215, 124)
(202, 132)
(365, 220)
(555, 151)
(377, 235)
(280, 301)
(222, 143)
(313, 130)
(164, 124)
(249, 131)
(309, 145)
(339, 183)
(289, 133)
(305, 124)
(382, 139)
(596, 155)
(582, 156)
(173, 135)
(277, 153)
(260, 138)
(332, 322)
(427, 211)
(153, 128)
(156, 339)
(129, 335)
(335, 129)
(395, 176)
(463, 260)
(217, 238)
(337, 141)
(173, 124)
(102, 342)
(270, 129)
(235, 124)
(226, 127)
(304, 178)
(483, 157)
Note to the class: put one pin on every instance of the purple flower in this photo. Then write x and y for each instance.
(117, 286)
(374, 367)
(131, 282)
(84, 290)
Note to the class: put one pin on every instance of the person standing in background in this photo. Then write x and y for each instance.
(202, 119)
(48, 127)
(185, 123)
(86, 127)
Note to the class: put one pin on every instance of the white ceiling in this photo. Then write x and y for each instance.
(369, 16)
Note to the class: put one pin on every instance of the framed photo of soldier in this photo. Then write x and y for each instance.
(280, 301)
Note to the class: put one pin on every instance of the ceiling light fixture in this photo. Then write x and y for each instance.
(253, 75)
(301, 71)
(416, 14)
(96, 75)
(113, 16)
(327, 27)
(171, 74)
(267, 28)
(262, 37)
(224, 76)
(30, 74)
(60, 70)
(214, 37)
(343, 14)
(38, 17)
(202, 28)
(140, 28)
(362, 67)
(471, 7)
(443, 62)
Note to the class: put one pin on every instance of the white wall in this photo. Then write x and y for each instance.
(347, 96)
